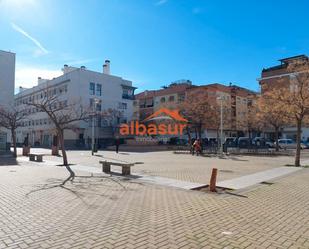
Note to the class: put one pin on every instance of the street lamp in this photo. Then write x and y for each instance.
(221, 124)
(95, 102)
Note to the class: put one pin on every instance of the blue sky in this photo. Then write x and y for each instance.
(154, 42)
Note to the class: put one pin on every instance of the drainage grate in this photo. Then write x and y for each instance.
(226, 170)
(267, 183)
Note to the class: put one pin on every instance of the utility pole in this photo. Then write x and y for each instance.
(93, 124)
(221, 124)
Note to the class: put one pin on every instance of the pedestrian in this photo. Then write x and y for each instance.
(192, 146)
(117, 143)
(197, 147)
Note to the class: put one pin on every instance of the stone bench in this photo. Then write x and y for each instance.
(126, 167)
(36, 157)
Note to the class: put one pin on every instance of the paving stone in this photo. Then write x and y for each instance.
(111, 212)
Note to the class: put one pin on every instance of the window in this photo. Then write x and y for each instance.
(162, 100)
(98, 104)
(99, 107)
(99, 90)
(123, 106)
(171, 98)
(91, 88)
(181, 97)
(127, 94)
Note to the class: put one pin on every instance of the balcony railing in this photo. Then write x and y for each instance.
(127, 96)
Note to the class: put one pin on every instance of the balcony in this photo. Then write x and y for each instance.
(127, 96)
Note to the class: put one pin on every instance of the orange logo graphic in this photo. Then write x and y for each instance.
(175, 128)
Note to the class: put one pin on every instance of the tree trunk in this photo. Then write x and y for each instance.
(64, 154)
(189, 135)
(277, 138)
(64, 157)
(14, 142)
(298, 140)
(200, 131)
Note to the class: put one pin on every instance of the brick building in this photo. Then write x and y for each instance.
(149, 101)
(236, 101)
(280, 76)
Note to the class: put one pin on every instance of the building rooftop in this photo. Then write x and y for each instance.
(297, 57)
(172, 88)
(285, 62)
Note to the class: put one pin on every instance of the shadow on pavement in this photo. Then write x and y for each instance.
(8, 161)
(238, 159)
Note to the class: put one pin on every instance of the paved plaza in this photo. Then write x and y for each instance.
(106, 211)
(182, 167)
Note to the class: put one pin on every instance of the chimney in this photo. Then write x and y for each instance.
(65, 68)
(106, 67)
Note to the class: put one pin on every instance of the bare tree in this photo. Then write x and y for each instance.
(272, 114)
(11, 119)
(111, 118)
(198, 110)
(249, 121)
(64, 116)
(294, 98)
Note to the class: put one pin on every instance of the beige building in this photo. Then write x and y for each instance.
(149, 101)
(236, 104)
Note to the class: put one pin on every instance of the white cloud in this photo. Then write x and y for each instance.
(161, 2)
(40, 49)
(27, 76)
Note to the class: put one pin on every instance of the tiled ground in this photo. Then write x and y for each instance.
(179, 166)
(114, 213)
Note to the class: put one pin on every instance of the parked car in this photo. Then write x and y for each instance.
(230, 142)
(286, 143)
(177, 141)
(306, 143)
(262, 142)
(244, 142)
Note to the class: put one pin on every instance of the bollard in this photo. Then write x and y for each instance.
(55, 151)
(213, 180)
(26, 150)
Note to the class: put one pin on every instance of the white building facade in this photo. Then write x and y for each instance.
(87, 88)
(7, 85)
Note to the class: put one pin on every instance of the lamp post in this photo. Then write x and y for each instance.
(95, 101)
(221, 124)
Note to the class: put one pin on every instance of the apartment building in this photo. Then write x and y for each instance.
(279, 76)
(149, 101)
(97, 90)
(7, 84)
(236, 102)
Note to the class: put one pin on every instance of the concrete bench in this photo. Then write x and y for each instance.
(36, 157)
(126, 167)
